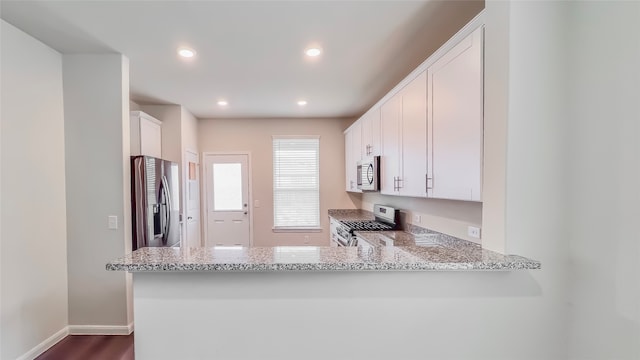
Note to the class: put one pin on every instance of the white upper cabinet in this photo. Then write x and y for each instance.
(371, 132)
(352, 150)
(146, 134)
(455, 121)
(404, 141)
(413, 181)
(429, 129)
(390, 114)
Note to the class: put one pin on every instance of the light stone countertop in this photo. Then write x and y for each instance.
(445, 252)
(418, 249)
(312, 258)
(351, 214)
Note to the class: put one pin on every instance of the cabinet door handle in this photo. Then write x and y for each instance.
(429, 179)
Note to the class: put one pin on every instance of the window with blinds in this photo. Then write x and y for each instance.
(296, 182)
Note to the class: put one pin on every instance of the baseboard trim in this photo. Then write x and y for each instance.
(45, 345)
(100, 329)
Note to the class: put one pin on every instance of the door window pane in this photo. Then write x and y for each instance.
(227, 187)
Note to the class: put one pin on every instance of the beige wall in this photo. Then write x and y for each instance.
(496, 107)
(254, 136)
(179, 133)
(446, 216)
(96, 110)
(133, 106)
(189, 131)
(170, 115)
(34, 235)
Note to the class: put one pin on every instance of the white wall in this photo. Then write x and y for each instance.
(96, 107)
(604, 164)
(189, 135)
(34, 248)
(255, 136)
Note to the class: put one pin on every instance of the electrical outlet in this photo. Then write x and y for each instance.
(256, 203)
(473, 232)
(112, 222)
(306, 239)
(417, 219)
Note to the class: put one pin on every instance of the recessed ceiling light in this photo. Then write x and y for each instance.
(223, 102)
(186, 52)
(302, 102)
(313, 51)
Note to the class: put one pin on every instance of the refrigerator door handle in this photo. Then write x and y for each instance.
(167, 205)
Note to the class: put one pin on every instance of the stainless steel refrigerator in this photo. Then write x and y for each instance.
(155, 202)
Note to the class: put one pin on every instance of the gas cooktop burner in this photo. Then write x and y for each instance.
(367, 225)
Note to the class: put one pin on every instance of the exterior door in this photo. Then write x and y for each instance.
(192, 200)
(227, 190)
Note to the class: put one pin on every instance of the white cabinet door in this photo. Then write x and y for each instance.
(353, 141)
(145, 134)
(390, 117)
(347, 160)
(376, 140)
(371, 133)
(150, 138)
(412, 180)
(404, 141)
(365, 120)
(455, 122)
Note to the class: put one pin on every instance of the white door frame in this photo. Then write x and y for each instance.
(204, 194)
(185, 191)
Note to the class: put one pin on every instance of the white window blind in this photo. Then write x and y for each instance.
(296, 182)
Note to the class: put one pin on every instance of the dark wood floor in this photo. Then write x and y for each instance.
(91, 347)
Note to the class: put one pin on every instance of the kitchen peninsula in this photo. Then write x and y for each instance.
(209, 303)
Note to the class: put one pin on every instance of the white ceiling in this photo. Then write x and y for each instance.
(251, 52)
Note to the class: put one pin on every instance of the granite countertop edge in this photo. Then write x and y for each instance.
(416, 249)
(172, 260)
(432, 266)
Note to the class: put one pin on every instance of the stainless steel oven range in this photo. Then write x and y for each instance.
(386, 218)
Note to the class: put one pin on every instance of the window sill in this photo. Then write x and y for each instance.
(297, 230)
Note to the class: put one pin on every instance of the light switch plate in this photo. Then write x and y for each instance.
(113, 222)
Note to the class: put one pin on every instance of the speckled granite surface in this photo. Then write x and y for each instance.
(309, 258)
(351, 214)
(422, 249)
(446, 252)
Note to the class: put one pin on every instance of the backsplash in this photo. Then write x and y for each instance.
(445, 216)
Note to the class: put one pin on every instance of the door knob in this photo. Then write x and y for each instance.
(245, 212)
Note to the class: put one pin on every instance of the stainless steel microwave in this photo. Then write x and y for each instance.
(369, 174)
